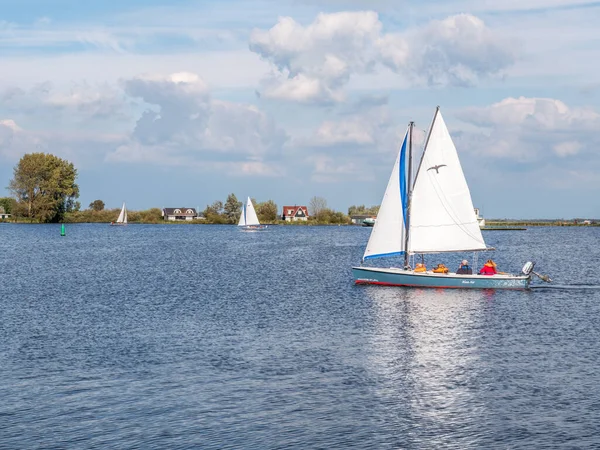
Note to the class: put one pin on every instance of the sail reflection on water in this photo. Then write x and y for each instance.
(426, 353)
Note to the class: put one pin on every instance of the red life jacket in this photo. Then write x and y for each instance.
(487, 270)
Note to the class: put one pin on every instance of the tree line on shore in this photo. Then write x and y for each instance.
(319, 213)
(44, 190)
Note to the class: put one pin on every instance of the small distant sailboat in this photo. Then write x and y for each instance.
(122, 219)
(431, 214)
(248, 218)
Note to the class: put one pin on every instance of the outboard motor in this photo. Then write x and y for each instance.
(528, 268)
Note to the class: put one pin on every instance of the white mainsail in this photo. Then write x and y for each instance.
(442, 218)
(387, 236)
(123, 215)
(248, 216)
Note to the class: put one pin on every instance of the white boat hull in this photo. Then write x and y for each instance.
(252, 227)
(399, 277)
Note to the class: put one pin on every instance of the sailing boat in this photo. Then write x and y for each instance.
(122, 219)
(248, 218)
(434, 214)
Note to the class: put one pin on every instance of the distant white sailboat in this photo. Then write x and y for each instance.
(248, 218)
(122, 219)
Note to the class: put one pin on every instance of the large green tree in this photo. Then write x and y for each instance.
(97, 205)
(266, 211)
(215, 209)
(44, 187)
(232, 208)
(214, 213)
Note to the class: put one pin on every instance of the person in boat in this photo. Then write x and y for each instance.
(464, 268)
(489, 268)
(420, 267)
(441, 269)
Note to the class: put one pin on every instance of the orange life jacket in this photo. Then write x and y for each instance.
(441, 269)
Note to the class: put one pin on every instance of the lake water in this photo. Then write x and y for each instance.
(177, 337)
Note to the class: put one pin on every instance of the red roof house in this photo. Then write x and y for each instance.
(294, 213)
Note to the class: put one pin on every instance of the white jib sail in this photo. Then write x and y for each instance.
(387, 236)
(442, 218)
(248, 216)
(123, 215)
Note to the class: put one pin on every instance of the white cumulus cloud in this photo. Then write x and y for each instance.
(456, 51)
(314, 63)
(170, 120)
(84, 100)
(538, 113)
(360, 141)
(184, 125)
(533, 129)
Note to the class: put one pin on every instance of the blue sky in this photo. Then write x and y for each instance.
(182, 102)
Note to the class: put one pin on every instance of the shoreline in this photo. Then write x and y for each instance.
(526, 223)
(181, 222)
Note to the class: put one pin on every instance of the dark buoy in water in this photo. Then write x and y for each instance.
(62, 229)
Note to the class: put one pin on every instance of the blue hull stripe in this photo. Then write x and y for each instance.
(381, 255)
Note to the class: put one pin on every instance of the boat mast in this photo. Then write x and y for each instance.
(409, 184)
